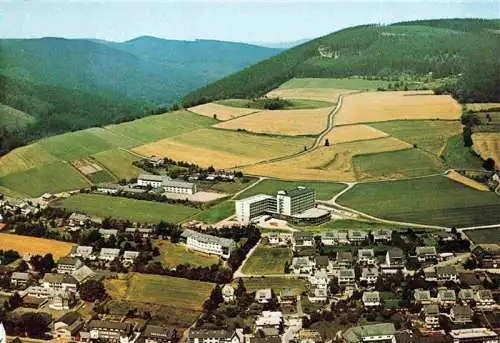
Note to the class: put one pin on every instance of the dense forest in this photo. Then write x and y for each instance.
(69, 84)
(466, 49)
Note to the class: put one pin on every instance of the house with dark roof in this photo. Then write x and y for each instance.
(375, 333)
(382, 235)
(484, 300)
(158, 334)
(213, 336)
(344, 259)
(430, 314)
(59, 282)
(487, 255)
(461, 314)
(446, 273)
(426, 253)
(422, 296)
(366, 256)
(68, 326)
(19, 280)
(109, 331)
(394, 260)
(446, 297)
(322, 262)
(68, 264)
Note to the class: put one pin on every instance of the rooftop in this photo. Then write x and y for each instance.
(357, 334)
(427, 250)
(178, 184)
(472, 333)
(255, 198)
(68, 260)
(431, 310)
(201, 237)
(106, 324)
(296, 191)
(151, 177)
(59, 278)
(312, 213)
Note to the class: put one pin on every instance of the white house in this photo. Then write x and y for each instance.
(82, 251)
(269, 319)
(155, 181)
(427, 253)
(68, 264)
(181, 187)
(302, 265)
(106, 233)
(208, 244)
(228, 293)
(129, 256)
(482, 335)
(484, 299)
(59, 282)
(370, 275)
(366, 256)
(430, 313)
(263, 296)
(109, 254)
(346, 277)
(110, 331)
(319, 279)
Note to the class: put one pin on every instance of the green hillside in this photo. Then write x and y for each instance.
(402, 51)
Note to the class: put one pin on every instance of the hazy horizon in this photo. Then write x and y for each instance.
(247, 21)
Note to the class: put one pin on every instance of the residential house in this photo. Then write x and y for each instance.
(302, 265)
(430, 313)
(346, 277)
(344, 259)
(321, 262)
(422, 297)
(357, 236)
(263, 296)
(427, 253)
(366, 256)
(302, 239)
(376, 333)
(446, 297)
(269, 320)
(59, 282)
(466, 295)
(446, 273)
(19, 280)
(484, 299)
(474, 280)
(207, 243)
(382, 236)
(394, 260)
(475, 335)
(68, 326)
(461, 314)
(342, 237)
(213, 336)
(371, 299)
(108, 188)
(319, 279)
(110, 331)
(82, 274)
(109, 254)
(370, 275)
(68, 264)
(142, 231)
(317, 295)
(155, 161)
(82, 251)
(287, 296)
(228, 293)
(129, 256)
(106, 233)
(487, 255)
(328, 238)
(78, 219)
(63, 299)
(158, 334)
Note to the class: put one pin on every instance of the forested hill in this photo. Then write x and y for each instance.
(70, 84)
(467, 49)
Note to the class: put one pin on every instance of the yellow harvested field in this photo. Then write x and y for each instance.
(453, 175)
(384, 106)
(487, 145)
(353, 133)
(193, 154)
(476, 107)
(282, 122)
(34, 245)
(24, 158)
(322, 94)
(333, 163)
(221, 111)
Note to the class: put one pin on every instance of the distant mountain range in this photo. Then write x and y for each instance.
(281, 45)
(464, 49)
(69, 84)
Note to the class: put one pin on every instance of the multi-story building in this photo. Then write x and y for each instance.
(382, 236)
(366, 256)
(207, 243)
(181, 187)
(427, 253)
(446, 273)
(254, 206)
(370, 275)
(68, 264)
(158, 334)
(484, 299)
(461, 314)
(487, 255)
(476, 335)
(108, 331)
(422, 296)
(109, 254)
(357, 236)
(59, 282)
(446, 297)
(295, 201)
(213, 336)
(430, 315)
(155, 181)
(346, 277)
(302, 239)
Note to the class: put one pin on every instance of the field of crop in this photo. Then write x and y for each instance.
(193, 154)
(455, 155)
(333, 163)
(135, 210)
(161, 126)
(396, 164)
(113, 138)
(487, 145)
(357, 84)
(217, 212)
(101, 176)
(180, 299)
(324, 190)
(353, 133)
(118, 162)
(24, 158)
(221, 112)
(385, 106)
(267, 261)
(282, 122)
(227, 187)
(430, 135)
(457, 177)
(276, 283)
(484, 236)
(174, 254)
(34, 245)
(434, 200)
(12, 119)
(53, 178)
(476, 107)
(318, 94)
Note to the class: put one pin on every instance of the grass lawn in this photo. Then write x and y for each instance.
(430, 135)
(267, 260)
(396, 164)
(156, 127)
(113, 138)
(217, 212)
(123, 208)
(175, 301)
(460, 157)
(174, 254)
(296, 104)
(24, 158)
(119, 163)
(227, 187)
(484, 236)
(433, 200)
(276, 283)
(324, 190)
(357, 84)
(55, 177)
(346, 224)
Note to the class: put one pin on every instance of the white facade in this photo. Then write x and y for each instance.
(179, 187)
(155, 181)
(109, 254)
(82, 251)
(208, 244)
(254, 206)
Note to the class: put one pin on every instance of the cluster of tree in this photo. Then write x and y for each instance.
(8, 256)
(92, 290)
(381, 52)
(31, 324)
(269, 103)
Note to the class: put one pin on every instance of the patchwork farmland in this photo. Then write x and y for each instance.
(34, 245)
(487, 145)
(221, 112)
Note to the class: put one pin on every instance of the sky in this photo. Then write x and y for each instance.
(270, 21)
